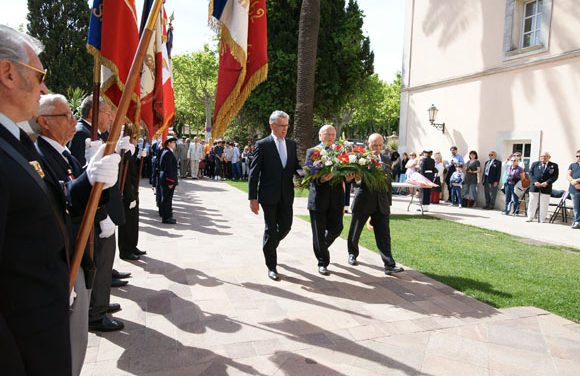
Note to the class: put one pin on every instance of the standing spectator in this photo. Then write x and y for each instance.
(227, 164)
(167, 180)
(472, 173)
(543, 174)
(574, 179)
(437, 192)
(195, 155)
(455, 181)
(491, 176)
(403, 172)
(396, 165)
(428, 171)
(514, 174)
(182, 149)
(218, 159)
(451, 164)
(236, 163)
(411, 168)
(245, 162)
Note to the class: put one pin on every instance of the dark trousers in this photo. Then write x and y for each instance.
(450, 172)
(490, 193)
(425, 196)
(101, 293)
(129, 232)
(166, 203)
(347, 187)
(382, 234)
(326, 227)
(278, 221)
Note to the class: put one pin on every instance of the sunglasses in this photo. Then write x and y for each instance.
(42, 72)
(578, 156)
(69, 116)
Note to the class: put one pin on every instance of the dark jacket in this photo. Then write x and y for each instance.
(323, 196)
(168, 168)
(428, 168)
(494, 175)
(131, 188)
(368, 202)
(77, 144)
(550, 175)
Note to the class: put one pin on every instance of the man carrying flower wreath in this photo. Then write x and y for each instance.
(373, 203)
(326, 195)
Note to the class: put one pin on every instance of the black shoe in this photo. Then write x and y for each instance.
(273, 275)
(322, 270)
(129, 257)
(114, 307)
(393, 269)
(139, 252)
(352, 260)
(118, 282)
(170, 221)
(120, 275)
(106, 324)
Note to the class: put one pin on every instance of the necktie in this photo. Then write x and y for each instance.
(543, 168)
(68, 157)
(488, 167)
(282, 150)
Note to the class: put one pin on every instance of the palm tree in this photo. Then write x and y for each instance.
(307, 46)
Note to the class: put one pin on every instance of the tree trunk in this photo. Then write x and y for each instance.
(307, 47)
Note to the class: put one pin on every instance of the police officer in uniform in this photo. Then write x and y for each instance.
(167, 180)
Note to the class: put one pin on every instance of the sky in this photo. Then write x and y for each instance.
(383, 23)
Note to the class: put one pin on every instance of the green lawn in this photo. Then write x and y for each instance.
(243, 186)
(493, 267)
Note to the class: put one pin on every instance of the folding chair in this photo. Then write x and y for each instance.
(561, 208)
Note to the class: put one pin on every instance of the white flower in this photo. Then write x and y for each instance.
(328, 163)
(317, 163)
(362, 161)
(323, 152)
(352, 158)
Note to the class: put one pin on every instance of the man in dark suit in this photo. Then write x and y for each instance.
(35, 241)
(167, 180)
(107, 218)
(377, 206)
(491, 177)
(325, 204)
(270, 185)
(543, 174)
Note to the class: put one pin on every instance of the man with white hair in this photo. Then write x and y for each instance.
(543, 174)
(35, 238)
(195, 155)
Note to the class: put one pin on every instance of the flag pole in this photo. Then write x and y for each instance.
(94, 134)
(91, 209)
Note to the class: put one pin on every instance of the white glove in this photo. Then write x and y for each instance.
(123, 144)
(103, 169)
(143, 153)
(132, 149)
(132, 204)
(91, 148)
(71, 298)
(107, 228)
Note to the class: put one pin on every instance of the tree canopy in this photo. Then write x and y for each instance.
(63, 26)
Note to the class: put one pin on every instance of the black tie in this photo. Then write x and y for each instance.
(68, 157)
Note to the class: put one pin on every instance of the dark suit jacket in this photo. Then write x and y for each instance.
(323, 196)
(131, 189)
(61, 167)
(269, 182)
(168, 168)
(550, 175)
(368, 202)
(494, 172)
(77, 144)
(428, 168)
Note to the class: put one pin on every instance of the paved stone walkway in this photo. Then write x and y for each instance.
(200, 303)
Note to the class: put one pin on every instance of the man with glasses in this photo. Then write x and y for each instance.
(543, 174)
(35, 238)
(491, 178)
(574, 179)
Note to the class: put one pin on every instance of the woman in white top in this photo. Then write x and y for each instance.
(411, 167)
(439, 176)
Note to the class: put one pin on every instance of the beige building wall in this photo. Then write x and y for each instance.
(456, 57)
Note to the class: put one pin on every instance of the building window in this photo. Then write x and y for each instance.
(532, 24)
(527, 27)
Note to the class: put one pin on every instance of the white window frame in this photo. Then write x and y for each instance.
(514, 29)
(536, 29)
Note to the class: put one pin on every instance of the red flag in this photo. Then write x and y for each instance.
(157, 99)
(239, 74)
(116, 46)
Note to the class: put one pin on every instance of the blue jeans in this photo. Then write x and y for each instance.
(511, 199)
(456, 195)
(576, 203)
(402, 179)
(237, 170)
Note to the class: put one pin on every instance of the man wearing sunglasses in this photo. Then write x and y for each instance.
(35, 238)
(574, 179)
(543, 174)
(491, 178)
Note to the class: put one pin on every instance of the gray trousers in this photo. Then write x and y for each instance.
(490, 193)
(79, 324)
(101, 293)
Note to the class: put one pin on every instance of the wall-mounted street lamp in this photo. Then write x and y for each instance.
(432, 116)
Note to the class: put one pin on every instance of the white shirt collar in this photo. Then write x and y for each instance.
(276, 138)
(10, 126)
(58, 147)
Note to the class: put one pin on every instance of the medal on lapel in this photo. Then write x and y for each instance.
(37, 168)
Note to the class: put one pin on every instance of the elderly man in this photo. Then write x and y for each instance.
(491, 178)
(543, 174)
(375, 205)
(325, 204)
(35, 240)
(270, 185)
(195, 155)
